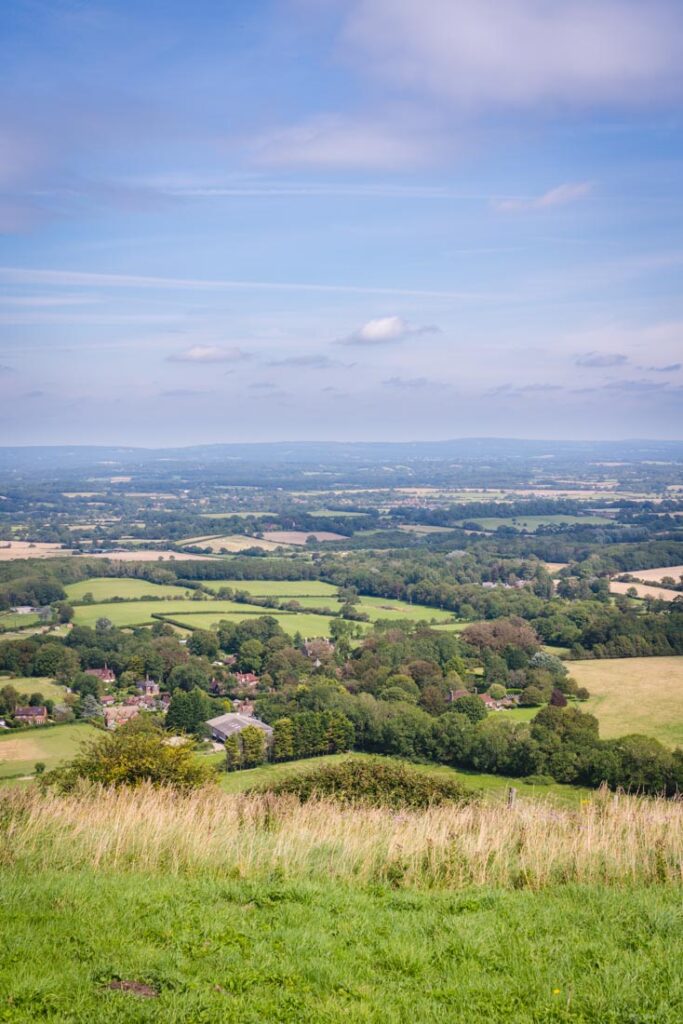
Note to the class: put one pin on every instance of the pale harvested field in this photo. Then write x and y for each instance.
(628, 695)
(24, 549)
(555, 566)
(233, 542)
(410, 528)
(300, 536)
(655, 575)
(145, 555)
(644, 590)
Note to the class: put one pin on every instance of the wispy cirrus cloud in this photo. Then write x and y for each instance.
(201, 354)
(344, 141)
(561, 195)
(313, 361)
(386, 330)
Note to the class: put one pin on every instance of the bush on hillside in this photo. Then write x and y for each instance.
(377, 781)
(137, 752)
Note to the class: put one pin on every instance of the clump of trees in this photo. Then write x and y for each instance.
(377, 782)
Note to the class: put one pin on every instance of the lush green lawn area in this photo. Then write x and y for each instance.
(264, 952)
(106, 588)
(35, 684)
(307, 624)
(529, 524)
(134, 613)
(15, 620)
(380, 608)
(276, 588)
(19, 751)
(629, 695)
(495, 787)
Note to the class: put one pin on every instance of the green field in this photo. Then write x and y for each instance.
(276, 588)
(529, 524)
(135, 613)
(15, 620)
(106, 588)
(630, 695)
(308, 625)
(34, 684)
(258, 951)
(19, 751)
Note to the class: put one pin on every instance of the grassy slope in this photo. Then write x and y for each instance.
(308, 625)
(19, 751)
(247, 952)
(35, 684)
(105, 588)
(629, 695)
(495, 787)
(276, 588)
(130, 613)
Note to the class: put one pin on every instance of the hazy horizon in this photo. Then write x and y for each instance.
(351, 220)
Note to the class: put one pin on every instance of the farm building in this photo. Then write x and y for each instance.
(232, 724)
(31, 715)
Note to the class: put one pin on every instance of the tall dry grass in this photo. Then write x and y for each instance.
(610, 839)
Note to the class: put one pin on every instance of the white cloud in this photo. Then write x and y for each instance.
(561, 195)
(208, 354)
(522, 53)
(385, 330)
(333, 140)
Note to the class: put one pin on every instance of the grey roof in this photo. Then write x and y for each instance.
(235, 722)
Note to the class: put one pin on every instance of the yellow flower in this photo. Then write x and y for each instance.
(556, 991)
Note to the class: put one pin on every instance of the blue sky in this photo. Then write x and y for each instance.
(340, 219)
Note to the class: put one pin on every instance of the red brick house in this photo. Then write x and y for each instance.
(31, 715)
(105, 675)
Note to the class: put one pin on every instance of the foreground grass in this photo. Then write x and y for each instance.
(274, 953)
(610, 840)
(629, 695)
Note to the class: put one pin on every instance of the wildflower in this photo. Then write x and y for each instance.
(556, 991)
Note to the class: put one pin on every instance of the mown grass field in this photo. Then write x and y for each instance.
(263, 952)
(18, 621)
(380, 608)
(107, 588)
(628, 695)
(133, 613)
(308, 625)
(276, 588)
(529, 524)
(34, 684)
(19, 751)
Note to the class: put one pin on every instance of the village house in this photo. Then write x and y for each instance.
(108, 699)
(31, 715)
(105, 675)
(147, 687)
(248, 680)
(113, 717)
(318, 648)
(232, 724)
(456, 694)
